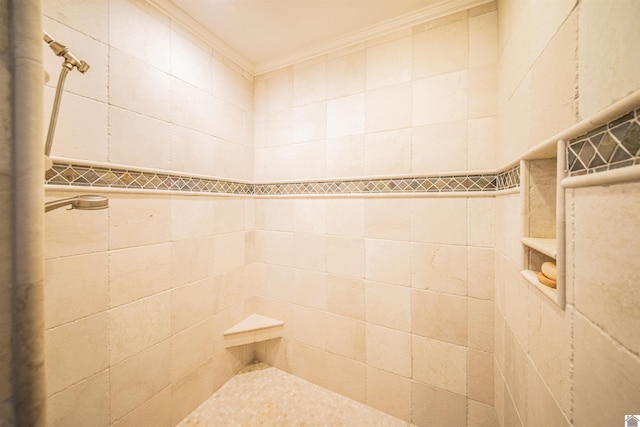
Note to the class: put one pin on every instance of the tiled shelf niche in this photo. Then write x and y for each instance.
(542, 171)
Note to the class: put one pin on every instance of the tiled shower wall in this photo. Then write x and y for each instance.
(388, 300)
(422, 100)
(577, 366)
(138, 295)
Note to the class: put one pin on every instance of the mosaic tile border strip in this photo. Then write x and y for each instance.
(102, 177)
(611, 146)
(92, 176)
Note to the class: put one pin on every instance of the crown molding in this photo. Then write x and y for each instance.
(429, 13)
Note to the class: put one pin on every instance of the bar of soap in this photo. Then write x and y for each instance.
(546, 281)
(549, 270)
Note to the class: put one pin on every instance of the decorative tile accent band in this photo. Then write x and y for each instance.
(611, 146)
(94, 176)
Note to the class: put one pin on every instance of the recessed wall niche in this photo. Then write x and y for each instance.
(544, 225)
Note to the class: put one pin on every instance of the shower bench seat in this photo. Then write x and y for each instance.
(254, 328)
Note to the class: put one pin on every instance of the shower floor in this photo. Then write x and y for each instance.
(261, 395)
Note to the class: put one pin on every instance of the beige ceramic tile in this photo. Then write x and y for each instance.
(389, 63)
(389, 350)
(346, 74)
(482, 136)
(439, 99)
(346, 377)
(308, 363)
(439, 221)
(89, 18)
(279, 90)
(345, 156)
(192, 107)
(483, 39)
(346, 337)
(148, 267)
(346, 256)
(310, 288)
(377, 158)
(228, 252)
(279, 128)
(275, 214)
(439, 316)
(149, 24)
(550, 343)
(346, 217)
(137, 379)
(135, 222)
(191, 151)
(602, 83)
(441, 268)
(436, 407)
(481, 324)
(440, 147)
(138, 140)
(605, 376)
(387, 218)
(309, 216)
(76, 351)
(346, 296)
(480, 376)
(542, 409)
(441, 50)
(389, 392)
(191, 304)
(230, 215)
(388, 305)
(76, 287)
(191, 260)
(481, 414)
(310, 327)
(191, 391)
(191, 217)
(483, 91)
(388, 108)
(481, 273)
(139, 325)
(498, 394)
(191, 348)
(279, 283)
(345, 116)
(516, 378)
(309, 83)
(139, 87)
(440, 364)
(155, 411)
(605, 269)
(86, 400)
(388, 261)
(190, 61)
(517, 295)
(310, 122)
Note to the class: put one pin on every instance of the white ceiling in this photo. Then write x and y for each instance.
(266, 34)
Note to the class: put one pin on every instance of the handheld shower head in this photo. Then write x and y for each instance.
(70, 59)
(85, 202)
